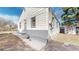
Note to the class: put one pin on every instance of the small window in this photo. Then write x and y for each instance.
(33, 22)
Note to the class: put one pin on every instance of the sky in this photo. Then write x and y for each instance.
(11, 13)
(58, 11)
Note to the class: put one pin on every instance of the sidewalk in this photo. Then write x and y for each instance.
(35, 42)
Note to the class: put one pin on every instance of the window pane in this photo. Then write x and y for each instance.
(33, 22)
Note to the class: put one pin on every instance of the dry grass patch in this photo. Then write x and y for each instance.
(68, 39)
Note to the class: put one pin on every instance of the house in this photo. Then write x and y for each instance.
(34, 22)
(72, 30)
(39, 22)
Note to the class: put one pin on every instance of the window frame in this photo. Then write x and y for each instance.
(33, 22)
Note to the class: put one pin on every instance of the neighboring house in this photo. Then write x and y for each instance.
(73, 30)
(70, 30)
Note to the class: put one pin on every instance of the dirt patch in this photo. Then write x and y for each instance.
(10, 42)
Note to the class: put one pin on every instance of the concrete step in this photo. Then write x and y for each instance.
(35, 42)
(38, 33)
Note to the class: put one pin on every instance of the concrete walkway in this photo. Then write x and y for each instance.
(36, 42)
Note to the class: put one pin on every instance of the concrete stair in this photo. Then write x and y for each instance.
(37, 39)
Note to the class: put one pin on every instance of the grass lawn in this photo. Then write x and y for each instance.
(10, 42)
(68, 39)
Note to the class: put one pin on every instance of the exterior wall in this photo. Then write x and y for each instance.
(55, 27)
(41, 15)
(41, 18)
(21, 22)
